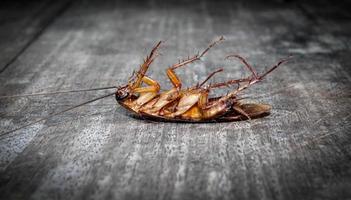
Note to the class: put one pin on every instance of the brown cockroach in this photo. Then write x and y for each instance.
(191, 104)
(177, 104)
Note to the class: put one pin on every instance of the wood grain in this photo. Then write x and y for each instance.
(301, 151)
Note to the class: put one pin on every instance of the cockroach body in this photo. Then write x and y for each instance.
(191, 104)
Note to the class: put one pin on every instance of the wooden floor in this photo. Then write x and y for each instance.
(98, 151)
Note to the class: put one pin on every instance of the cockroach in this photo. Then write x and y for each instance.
(190, 104)
(143, 97)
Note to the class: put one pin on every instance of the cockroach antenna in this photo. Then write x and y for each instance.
(55, 114)
(56, 92)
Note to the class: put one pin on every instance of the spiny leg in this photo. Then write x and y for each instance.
(227, 83)
(171, 73)
(135, 82)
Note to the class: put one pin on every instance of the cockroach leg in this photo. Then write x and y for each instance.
(255, 79)
(282, 61)
(253, 71)
(174, 78)
(171, 73)
(237, 81)
(135, 82)
(211, 45)
(210, 76)
(227, 83)
(154, 86)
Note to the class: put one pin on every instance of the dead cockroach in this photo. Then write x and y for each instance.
(191, 104)
(177, 104)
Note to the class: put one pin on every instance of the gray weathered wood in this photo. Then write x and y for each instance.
(301, 151)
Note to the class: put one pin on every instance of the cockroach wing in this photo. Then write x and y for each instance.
(255, 109)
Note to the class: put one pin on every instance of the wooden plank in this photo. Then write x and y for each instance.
(22, 22)
(300, 151)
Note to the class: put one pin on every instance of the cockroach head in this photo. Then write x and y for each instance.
(122, 92)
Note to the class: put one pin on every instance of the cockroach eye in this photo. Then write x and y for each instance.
(121, 94)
